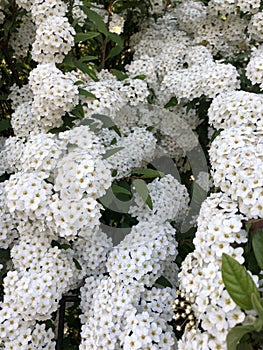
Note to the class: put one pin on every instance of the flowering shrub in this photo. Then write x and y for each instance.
(131, 174)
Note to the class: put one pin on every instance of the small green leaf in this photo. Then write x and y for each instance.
(141, 77)
(77, 264)
(149, 202)
(163, 281)
(85, 36)
(119, 189)
(111, 152)
(78, 111)
(238, 282)
(86, 93)
(147, 173)
(257, 244)
(173, 102)
(88, 58)
(88, 69)
(235, 335)
(141, 188)
(120, 75)
(114, 52)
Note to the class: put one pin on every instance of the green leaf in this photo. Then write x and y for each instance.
(5, 124)
(141, 188)
(86, 93)
(120, 75)
(96, 19)
(163, 281)
(257, 244)
(235, 335)
(78, 111)
(147, 173)
(106, 121)
(88, 69)
(114, 52)
(88, 58)
(115, 38)
(238, 282)
(85, 36)
(173, 102)
(111, 151)
(77, 264)
(119, 189)
(256, 302)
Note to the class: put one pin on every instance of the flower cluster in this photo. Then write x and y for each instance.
(21, 40)
(254, 69)
(209, 78)
(219, 231)
(236, 109)
(54, 95)
(160, 190)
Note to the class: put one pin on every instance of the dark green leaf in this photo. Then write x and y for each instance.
(88, 58)
(164, 282)
(86, 93)
(85, 36)
(77, 264)
(96, 19)
(5, 124)
(173, 102)
(257, 243)
(147, 173)
(238, 282)
(114, 52)
(115, 38)
(111, 152)
(78, 111)
(88, 69)
(119, 189)
(120, 75)
(235, 335)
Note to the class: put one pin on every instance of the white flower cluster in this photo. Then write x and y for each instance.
(24, 37)
(19, 95)
(219, 229)
(112, 320)
(255, 26)
(136, 148)
(171, 127)
(54, 39)
(112, 95)
(236, 109)
(160, 190)
(78, 13)
(190, 14)
(11, 154)
(209, 78)
(118, 310)
(254, 69)
(116, 23)
(54, 94)
(8, 225)
(237, 163)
